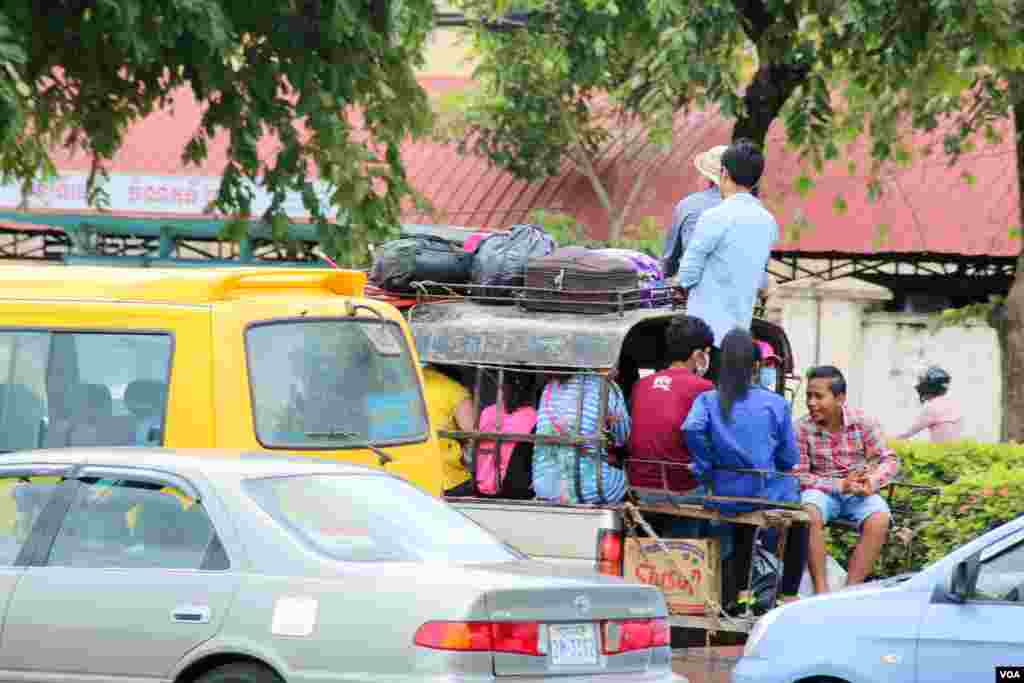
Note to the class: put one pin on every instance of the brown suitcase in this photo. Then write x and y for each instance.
(577, 280)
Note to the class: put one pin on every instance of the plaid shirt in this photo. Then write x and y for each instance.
(826, 458)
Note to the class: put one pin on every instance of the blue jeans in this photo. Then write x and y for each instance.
(855, 509)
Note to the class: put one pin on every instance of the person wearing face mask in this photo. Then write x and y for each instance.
(659, 459)
(724, 265)
(741, 426)
(767, 367)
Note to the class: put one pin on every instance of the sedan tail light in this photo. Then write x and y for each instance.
(634, 634)
(609, 552)
(526, 637)
(476, 636)
(455, 635)
(521, 638)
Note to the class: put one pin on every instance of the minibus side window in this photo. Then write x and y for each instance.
(60, 389)
(23, 400)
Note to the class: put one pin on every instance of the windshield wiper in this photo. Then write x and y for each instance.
(351, 439)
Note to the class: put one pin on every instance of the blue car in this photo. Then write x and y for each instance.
(955, 620)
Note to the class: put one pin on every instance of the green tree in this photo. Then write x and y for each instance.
(332, 80)
(831, 72)
(547, 100)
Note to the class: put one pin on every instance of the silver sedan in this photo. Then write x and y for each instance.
(150, 565)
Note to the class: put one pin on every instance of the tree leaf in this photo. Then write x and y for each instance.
(803, 185)
(882, 234)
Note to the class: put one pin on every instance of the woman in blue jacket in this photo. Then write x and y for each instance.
(741, 426)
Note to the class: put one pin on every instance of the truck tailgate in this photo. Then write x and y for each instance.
(545, 531)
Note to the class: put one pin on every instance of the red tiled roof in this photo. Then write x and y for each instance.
(928, 207)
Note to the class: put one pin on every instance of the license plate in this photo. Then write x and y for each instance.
(573, 644)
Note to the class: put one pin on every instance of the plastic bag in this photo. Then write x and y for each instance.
(500, 259)
(836, 578)
(766, 571)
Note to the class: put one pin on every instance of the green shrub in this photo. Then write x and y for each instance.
(972, 505)
(982, 486)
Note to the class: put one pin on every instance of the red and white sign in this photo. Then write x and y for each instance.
(142, 193)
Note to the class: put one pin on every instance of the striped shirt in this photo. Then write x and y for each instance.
(826, 458)
(554, 466)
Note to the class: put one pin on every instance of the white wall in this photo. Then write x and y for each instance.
(896, 347)
(882, 354)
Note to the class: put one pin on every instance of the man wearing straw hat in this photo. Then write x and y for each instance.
(724, 265)
(688, 210)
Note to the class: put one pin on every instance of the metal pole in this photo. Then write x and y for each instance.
(601, 454)
(499, 407)
(476, 427)
(577, 470)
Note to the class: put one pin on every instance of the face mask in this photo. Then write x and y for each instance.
(769, 376)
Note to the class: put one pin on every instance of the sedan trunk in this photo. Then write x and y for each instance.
(570, 627)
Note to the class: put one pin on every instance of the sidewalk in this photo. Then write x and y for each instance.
(706, 665)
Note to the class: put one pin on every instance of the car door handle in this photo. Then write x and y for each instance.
(191, 614)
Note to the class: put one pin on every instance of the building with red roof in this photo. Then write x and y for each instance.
(933, 216)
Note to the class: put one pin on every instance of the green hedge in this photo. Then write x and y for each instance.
(981, 486)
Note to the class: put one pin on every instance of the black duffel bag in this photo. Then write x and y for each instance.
(423, 257)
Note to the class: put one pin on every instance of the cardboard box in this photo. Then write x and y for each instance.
(686, 592)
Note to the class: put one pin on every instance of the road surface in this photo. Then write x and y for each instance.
(706, 665)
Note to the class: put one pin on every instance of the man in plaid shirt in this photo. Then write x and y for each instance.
(843, 463)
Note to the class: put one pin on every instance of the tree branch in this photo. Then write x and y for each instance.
(756, 18)
(639, 181)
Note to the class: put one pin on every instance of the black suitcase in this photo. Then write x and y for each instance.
(421, 258)
(579, 280)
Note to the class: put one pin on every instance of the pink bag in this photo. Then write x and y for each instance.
(520, 422)
(474, 240)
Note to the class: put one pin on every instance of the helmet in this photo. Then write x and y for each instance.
(933, 382)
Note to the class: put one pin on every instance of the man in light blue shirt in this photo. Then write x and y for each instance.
(724, 264)
(689, 209)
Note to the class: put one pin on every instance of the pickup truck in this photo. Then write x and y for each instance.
(480, 335)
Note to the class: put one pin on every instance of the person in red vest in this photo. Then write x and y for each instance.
(659, 459)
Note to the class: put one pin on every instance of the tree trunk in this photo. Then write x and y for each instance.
(1013, 378)
(997, 321)
(616, 225)
(764, 98)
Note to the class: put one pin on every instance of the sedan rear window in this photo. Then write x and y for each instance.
(366, 518)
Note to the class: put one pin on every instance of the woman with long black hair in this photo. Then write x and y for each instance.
(742, 426)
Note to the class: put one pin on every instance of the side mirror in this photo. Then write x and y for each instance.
(961, 583)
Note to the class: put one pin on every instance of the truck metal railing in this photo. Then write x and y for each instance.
(595, 301)
(586, 445)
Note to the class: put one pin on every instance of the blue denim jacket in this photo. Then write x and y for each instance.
(759, 436)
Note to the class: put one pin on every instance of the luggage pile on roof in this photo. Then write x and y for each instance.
(522, 265)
